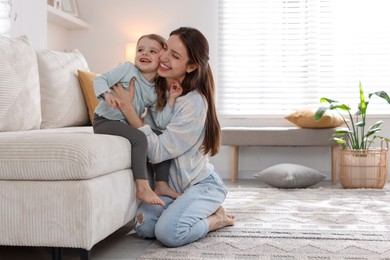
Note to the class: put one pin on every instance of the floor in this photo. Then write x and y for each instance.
(119, 246)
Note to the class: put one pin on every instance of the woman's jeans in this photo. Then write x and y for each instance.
(183, 220)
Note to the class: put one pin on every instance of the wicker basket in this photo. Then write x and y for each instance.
(363, 168)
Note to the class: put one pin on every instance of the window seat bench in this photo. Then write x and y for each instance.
(277, 137)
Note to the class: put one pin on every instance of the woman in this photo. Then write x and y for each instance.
(192, 135)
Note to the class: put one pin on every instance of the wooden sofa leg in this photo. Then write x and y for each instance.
(57, 253)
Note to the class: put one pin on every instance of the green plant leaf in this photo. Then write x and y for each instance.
(360, 124)
(381, 94)
(344, 107)
(363, 104)
(358, 111)
(339, 140)
(378, 137)
(327, 100)
(372, 131)
(377, 124)
(354, 135)
(382, 138)
(374, 128)
(320, 112)
(342, 131)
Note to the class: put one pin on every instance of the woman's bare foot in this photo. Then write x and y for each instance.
(146, 194)
(162, 189)
(219, 220)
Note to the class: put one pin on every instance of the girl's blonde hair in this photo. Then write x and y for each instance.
(161, 40)
(160, 90)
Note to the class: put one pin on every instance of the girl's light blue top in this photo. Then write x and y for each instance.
(145, 95)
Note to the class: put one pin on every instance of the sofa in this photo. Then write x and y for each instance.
(61, 185)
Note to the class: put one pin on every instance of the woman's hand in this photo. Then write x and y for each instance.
(113, 100)
(126, 97)
(127, 106)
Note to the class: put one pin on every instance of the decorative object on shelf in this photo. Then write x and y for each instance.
(65, 20)
(361, 166)
(57, 4)
(130, 51)
(70, 7)
(5, 16)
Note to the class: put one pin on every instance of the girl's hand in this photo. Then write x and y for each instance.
(175, 91)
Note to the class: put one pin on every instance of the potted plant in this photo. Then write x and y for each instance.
(361, 166)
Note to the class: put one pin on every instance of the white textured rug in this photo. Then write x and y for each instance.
(321, 223)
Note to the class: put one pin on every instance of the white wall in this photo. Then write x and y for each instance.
(29, 17)
(58, 38)
(116, 22)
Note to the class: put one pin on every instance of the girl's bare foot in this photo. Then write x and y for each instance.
(219, 220)
(162, 189)
(146, 194)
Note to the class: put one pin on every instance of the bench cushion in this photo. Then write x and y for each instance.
(304, 117)
(277, 136)
(61, 154)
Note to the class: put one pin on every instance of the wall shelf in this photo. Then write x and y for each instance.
(65, 20)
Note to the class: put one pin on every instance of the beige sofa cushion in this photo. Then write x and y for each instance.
(20, 107)
(61, 154)
(61, 95)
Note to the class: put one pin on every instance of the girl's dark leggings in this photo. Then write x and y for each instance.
(139, 146)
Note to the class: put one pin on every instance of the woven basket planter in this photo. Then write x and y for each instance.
(363, 168)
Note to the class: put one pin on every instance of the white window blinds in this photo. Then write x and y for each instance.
(279, 55)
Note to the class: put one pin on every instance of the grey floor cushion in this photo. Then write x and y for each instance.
(287, 175)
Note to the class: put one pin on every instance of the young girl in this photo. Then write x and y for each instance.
(110, 120)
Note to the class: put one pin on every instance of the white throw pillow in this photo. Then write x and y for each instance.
(62, 99)
(288, 175)
(20, 107)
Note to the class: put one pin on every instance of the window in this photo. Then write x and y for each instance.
(279, 55)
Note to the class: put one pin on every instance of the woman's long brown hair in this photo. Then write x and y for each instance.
(200, 80)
